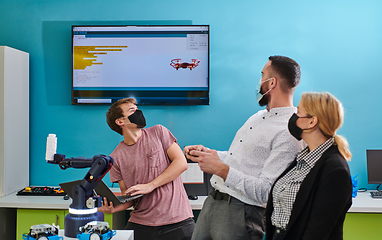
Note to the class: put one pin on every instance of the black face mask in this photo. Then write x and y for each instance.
(264, 100)
(138, 118)
(293, 128)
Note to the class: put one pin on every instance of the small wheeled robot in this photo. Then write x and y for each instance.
(96, 230)
(42, 232)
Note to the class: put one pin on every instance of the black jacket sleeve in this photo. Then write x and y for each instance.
(330, 200)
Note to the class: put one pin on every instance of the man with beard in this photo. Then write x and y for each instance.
(261, 150)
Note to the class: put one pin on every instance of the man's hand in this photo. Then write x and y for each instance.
(106, 208)
(187, 149)
(140, 189)
(109, 207)
(207, 159)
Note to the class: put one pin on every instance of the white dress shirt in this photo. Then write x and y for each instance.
(261, 150)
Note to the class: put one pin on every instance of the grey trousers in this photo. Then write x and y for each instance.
(229, 220)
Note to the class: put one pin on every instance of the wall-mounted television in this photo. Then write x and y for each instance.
(157, 65)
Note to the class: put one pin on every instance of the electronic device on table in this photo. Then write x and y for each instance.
(96, 230)
(158, 65)
(103, 190)
(194, 190)
(376, 194)
(374, 170)
(42, 232)
(41, 191)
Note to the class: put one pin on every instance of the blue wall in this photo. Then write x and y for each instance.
(337, 43)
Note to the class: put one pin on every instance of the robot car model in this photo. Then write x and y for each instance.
(96, 230)
(42, 232)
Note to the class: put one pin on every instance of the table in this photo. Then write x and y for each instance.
(31, 210)
(57, 202)
(121, 235)
(364, 218)
(364, 203)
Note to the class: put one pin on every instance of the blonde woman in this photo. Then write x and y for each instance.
(311, 198)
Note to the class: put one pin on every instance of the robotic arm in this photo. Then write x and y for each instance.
(83, 195)
(84, 205)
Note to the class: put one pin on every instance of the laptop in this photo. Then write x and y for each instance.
(101, 189)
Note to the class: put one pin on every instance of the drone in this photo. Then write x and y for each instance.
(175, 63)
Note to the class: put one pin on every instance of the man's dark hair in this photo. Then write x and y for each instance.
(115, 112)
(288, 69)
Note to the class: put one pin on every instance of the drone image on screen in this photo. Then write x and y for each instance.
(175, 63)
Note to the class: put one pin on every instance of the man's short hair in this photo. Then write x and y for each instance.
(289, 71)
(115, 112)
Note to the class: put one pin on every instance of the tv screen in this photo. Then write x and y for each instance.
(157, 65)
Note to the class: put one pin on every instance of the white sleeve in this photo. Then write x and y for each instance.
(222, 155)
(284, 149)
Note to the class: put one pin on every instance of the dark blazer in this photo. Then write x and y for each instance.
(321, 204)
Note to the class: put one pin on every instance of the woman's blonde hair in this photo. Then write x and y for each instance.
(330, 114)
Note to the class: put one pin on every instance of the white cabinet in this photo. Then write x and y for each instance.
(14, 120)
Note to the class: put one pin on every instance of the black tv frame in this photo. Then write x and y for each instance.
(144, 97)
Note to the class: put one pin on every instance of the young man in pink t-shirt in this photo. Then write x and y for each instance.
(149, 161)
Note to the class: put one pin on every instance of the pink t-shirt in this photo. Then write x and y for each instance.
(142, 162)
